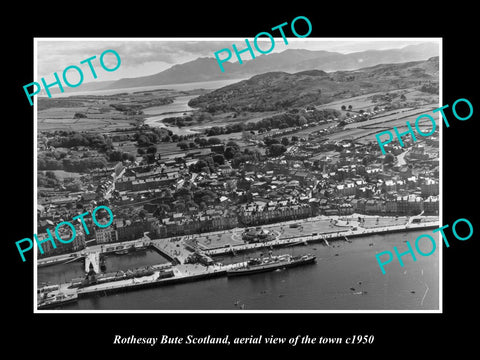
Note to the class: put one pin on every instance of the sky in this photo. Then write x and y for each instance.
(141, 57)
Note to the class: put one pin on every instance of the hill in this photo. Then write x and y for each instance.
(281, 90)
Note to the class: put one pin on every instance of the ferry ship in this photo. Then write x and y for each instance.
(271, 263)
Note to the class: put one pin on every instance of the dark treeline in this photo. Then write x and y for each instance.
(291, 118)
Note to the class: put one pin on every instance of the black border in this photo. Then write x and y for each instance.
(65, 334)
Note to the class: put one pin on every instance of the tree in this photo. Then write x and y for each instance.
(152, 150)
(52, 164)
(198, 166)
(190, 204)
(75, 185)
(183, 145)
(41, 164)
(143, 140)
(230, 152)
(302, 120)
(115, 156)
(231, 185)
(275, 150)
(389, 158)
(204, 116)
(214, 141)
(204, 195)
(269, 141)
(79, 116)
(150, 158)
(128, 156)
(367, 159)
(167, 194)
(51, 175)
(164, 207)
(219, 159)
(183, 192)
(285, 141)
(179, 207)
(233, 144)
(349, 107)
(46, 180)
(343, 107)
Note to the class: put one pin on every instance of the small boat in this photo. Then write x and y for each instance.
(164, 274)
(121, 252)
(296, 243)
(103, 265)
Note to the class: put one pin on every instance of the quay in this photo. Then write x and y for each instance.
(350, 233)
(171, 250)
(181, 274)
(59, 259)
(100, 249)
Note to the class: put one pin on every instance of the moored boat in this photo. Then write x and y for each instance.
(121, 252)
(271, 263)
(57, 299)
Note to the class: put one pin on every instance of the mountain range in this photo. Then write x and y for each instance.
(290, 60)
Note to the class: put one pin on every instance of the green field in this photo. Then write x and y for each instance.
(61, 175)
(103, 112)
(366, 130)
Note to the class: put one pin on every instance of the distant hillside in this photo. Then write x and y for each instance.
(290, 60)
(201, 69)
(281, 90)
(351, 61)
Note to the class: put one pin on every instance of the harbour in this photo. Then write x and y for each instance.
(218, 262)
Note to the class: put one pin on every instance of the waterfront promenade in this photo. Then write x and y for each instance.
(342, 234)
(220, 242)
